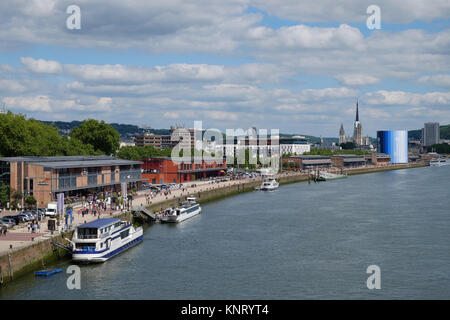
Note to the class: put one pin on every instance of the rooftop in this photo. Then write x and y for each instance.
(99, 223)
(348, 156)
(308, 157)
(72, 161)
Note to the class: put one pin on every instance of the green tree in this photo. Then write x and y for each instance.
(28, 137)
(4, 195)
(439, 148)
(100, 135)
(30, 201)
(348, 145)
(17, 197)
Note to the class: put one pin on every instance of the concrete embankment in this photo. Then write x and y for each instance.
(389, 168)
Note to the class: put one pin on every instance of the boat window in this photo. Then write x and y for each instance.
(125, 233)
(86, 246)
(87, 233)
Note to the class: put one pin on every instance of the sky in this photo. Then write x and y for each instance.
(294, 65)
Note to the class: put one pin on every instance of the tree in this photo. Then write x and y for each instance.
(17, 197)
(439, 148)
(28, 137)
(348, 145)
(4, 195)
(30, 201)
(100, 135)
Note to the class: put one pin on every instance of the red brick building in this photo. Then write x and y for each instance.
(161, 170)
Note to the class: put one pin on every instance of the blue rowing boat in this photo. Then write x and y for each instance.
(47, 272)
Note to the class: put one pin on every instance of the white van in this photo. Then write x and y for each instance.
(51, 209)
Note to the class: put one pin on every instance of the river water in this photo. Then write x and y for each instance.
(303, 241)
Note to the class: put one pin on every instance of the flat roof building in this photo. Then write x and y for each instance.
(304, 162)
(431, 133)
(162, 170)
(75, 176)
(348, 160)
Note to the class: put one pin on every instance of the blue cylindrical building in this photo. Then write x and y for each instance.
(393, 143)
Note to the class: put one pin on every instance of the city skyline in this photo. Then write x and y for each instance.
(295, 67)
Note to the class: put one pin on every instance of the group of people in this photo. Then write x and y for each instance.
(34, 227)
(94, 208)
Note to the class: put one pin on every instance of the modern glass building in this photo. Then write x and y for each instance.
(393, 143)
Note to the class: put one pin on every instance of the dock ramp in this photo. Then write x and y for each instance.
(141, 210)
(62, 246)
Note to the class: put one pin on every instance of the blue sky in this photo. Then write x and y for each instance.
(296, 66)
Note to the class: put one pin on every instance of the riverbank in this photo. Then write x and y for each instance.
(15, 263)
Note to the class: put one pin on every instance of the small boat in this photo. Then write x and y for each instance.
(102, 239)
(268, 184)
(324, 175)
(439, 162)
(48, 272)
(185, 211)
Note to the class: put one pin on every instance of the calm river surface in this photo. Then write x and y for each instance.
(303, 241)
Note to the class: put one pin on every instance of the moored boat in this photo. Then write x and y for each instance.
(325, 175)
(102, 239)
(439, 162)
(269, 183)
(186, 210)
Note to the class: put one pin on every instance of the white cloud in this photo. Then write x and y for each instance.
(392, 11)
(41, 65)
(357, 79)
(327, 93)
(441, 80)
(38, 103)
(383, 97)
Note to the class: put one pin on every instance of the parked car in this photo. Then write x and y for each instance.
(4, 225)
(9, 222)
(25, 216)
(16, 219)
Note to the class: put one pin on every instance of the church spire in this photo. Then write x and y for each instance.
(357, 113)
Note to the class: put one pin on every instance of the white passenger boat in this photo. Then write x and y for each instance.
(331, 176)
(269, 183)
(185, 211)
(101, 239)
(439, 162)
